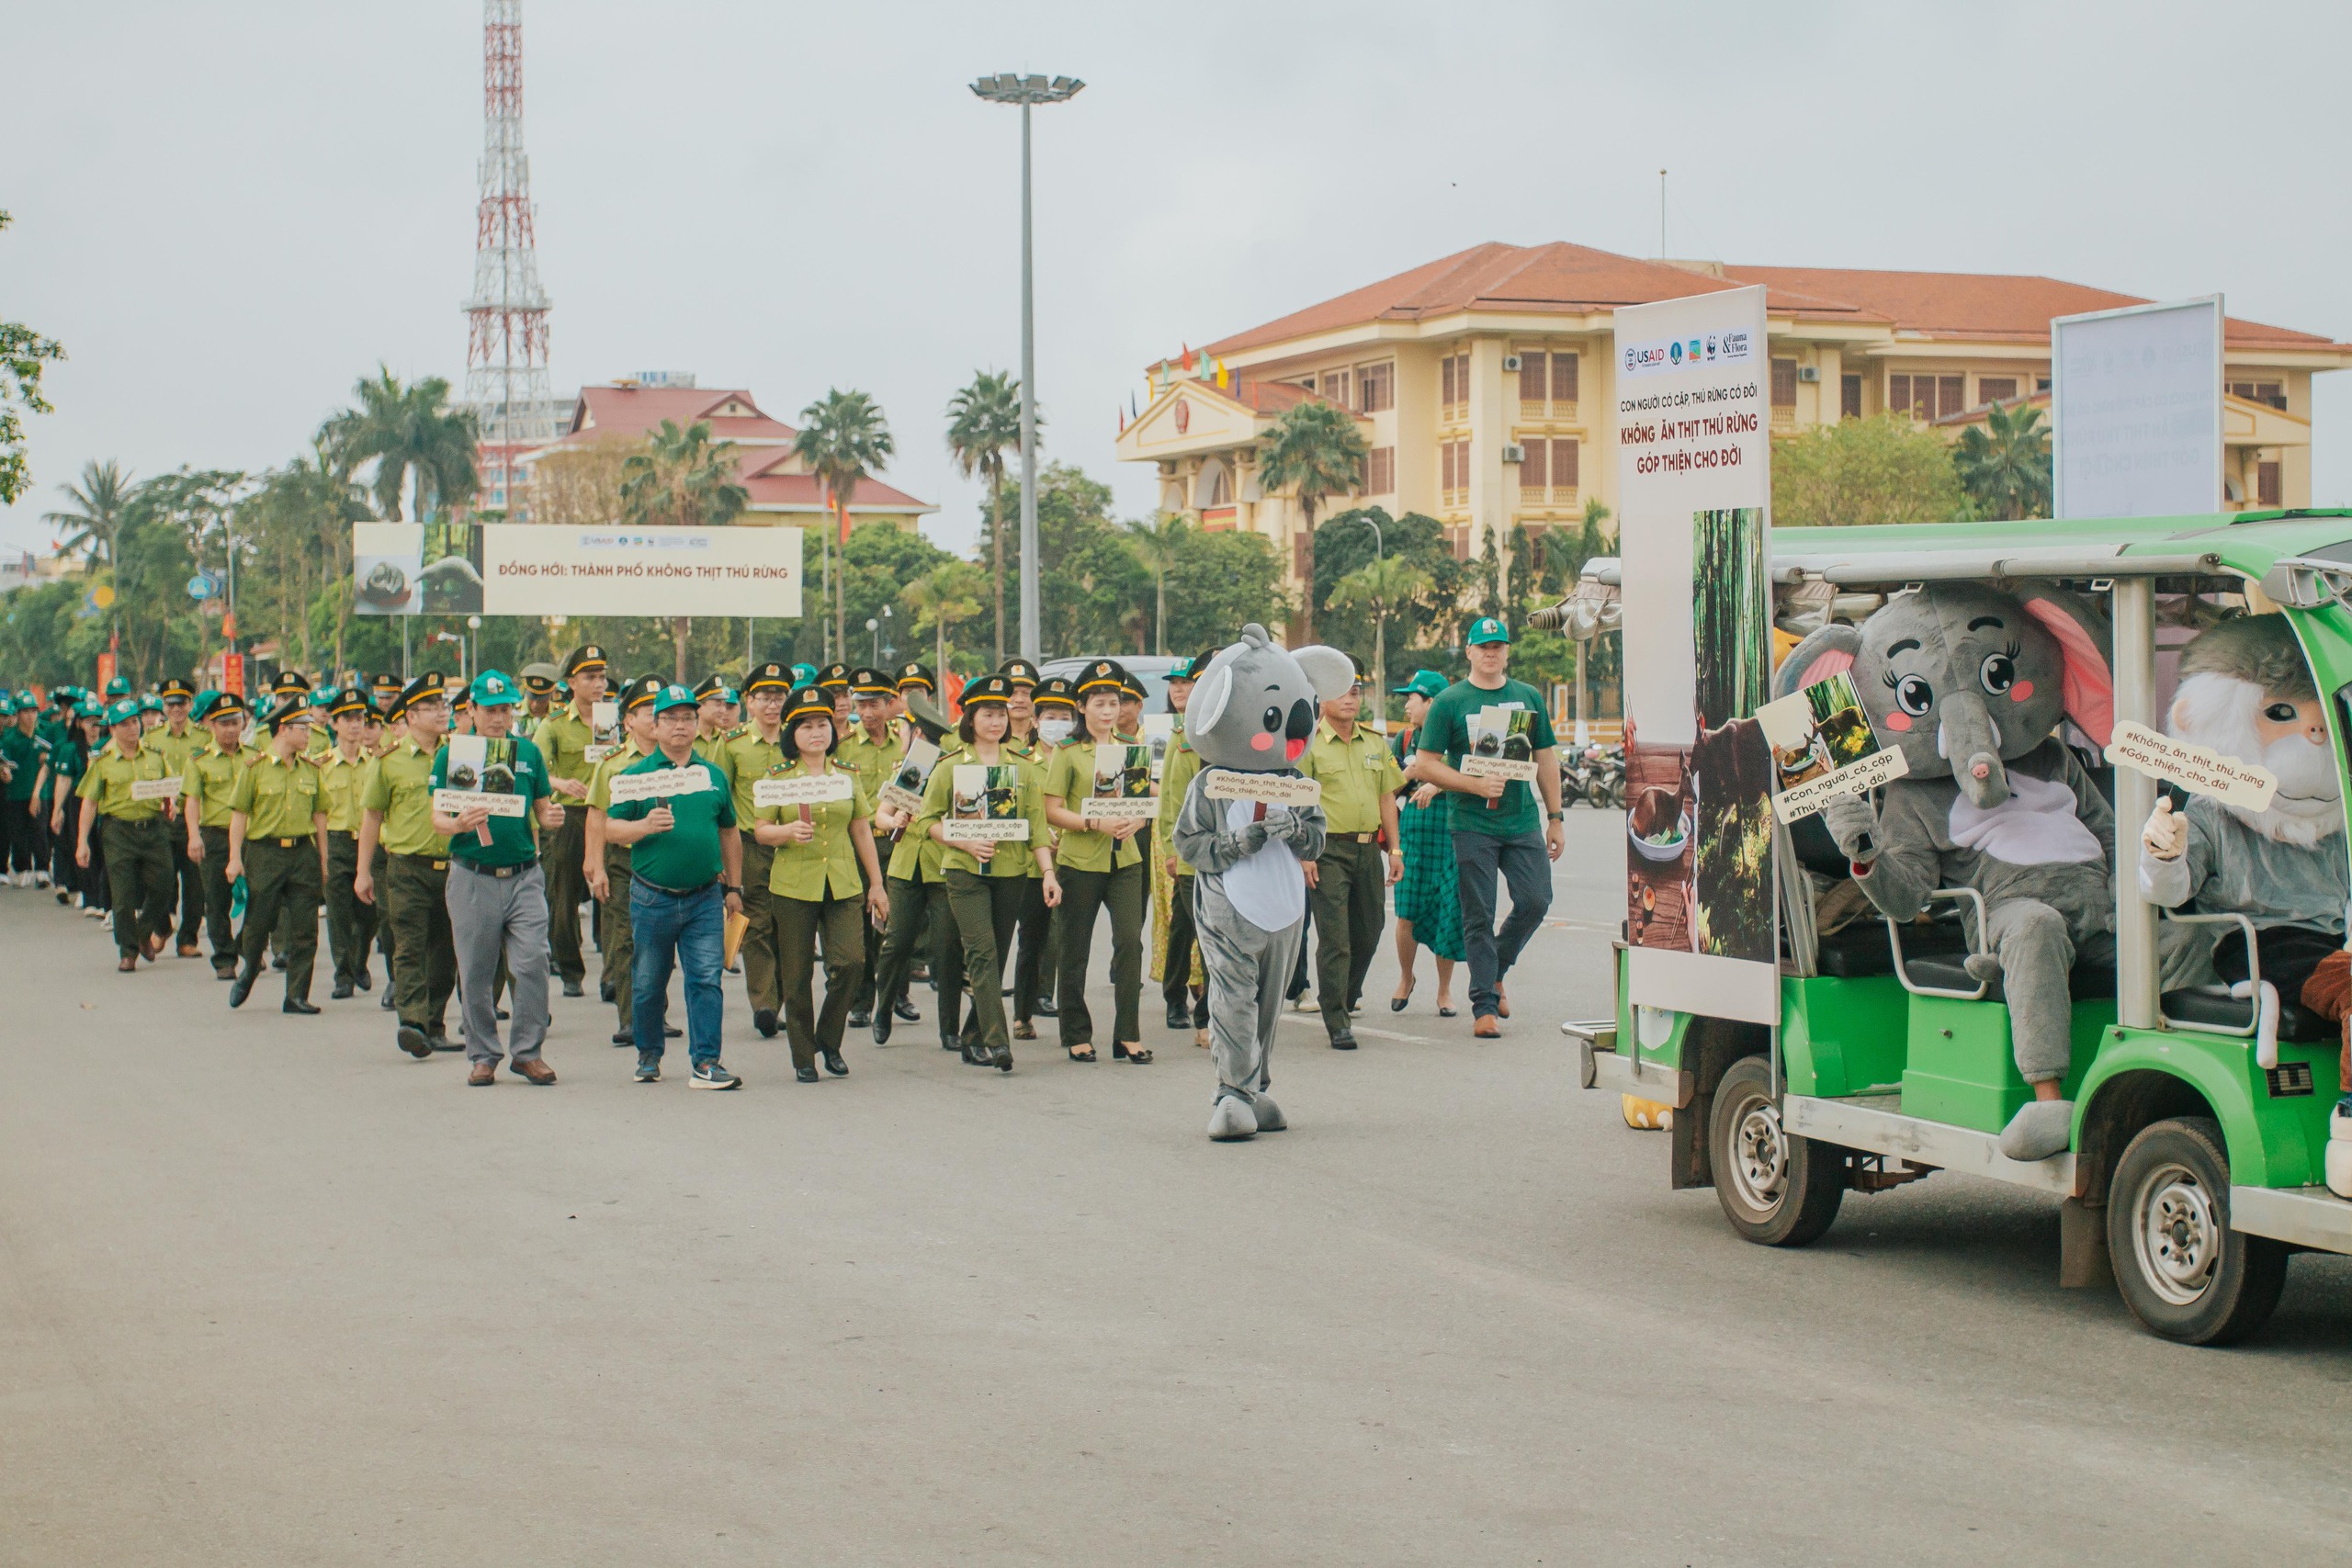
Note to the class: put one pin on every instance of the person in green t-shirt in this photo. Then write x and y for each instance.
(1494, 818)
(685, 878)
(497, 890)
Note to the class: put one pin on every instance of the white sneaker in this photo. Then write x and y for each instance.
(40, 879)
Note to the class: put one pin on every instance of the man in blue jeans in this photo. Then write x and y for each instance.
(677, 814)
(1499, 722)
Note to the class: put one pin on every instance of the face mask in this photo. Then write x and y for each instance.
(1055, 730)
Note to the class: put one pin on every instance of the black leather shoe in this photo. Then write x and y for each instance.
(672, 1032)
(364, 980)
(764, 1020)
(242, 987)
(1344, 1041)
(860, 1017)
(1001, 1059)
(386, 1002)
(1045, 1008)
(412, 1040)
(443, 1043)
(835, 1064)
(624, 1037)
(296, 1004)
(574, 989)
(1179, 1016)
(807, 1075)
(342, 992)
(881, 1022)
(904, 1011)
(604, 994)
(278, 960)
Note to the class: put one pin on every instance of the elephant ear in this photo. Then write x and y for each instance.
(2084, 640)
(1829, 651)
(1328, 671)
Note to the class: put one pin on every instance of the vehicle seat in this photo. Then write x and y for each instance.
(1948, 972)
(2214, 1006)
(1861, 949)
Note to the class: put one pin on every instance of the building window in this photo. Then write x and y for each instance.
(1532, 468)
(2041, 383)
(1534, 377)
(1564, 468)
(1453, 380)
(1995, 388)
(1335, 386)
(1563, 379)
(1784, 383)
(1380, 471)
(1376, 388)
(2272, 394)
(1454, 465)
(1849, 397)
(1457, 540)
(1215, 489)
(1925, 398)
(2268, 491)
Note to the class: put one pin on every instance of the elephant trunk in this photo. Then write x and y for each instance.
(1971, 742)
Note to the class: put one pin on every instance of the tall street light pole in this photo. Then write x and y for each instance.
(1025, 90)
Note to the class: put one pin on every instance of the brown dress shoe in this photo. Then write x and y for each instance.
(129, 963)
(189, 949)
(152, 947)
(483, 1075)
(534, 1070)
(1502, 1002)
(1487, 1027)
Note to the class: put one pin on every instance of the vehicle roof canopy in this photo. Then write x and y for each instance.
(2251, 542)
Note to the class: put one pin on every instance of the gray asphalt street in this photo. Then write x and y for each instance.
(271, 1293)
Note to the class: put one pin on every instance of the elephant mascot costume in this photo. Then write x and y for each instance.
(1970, 684)
(1253, 711)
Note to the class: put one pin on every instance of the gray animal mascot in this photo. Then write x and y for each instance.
(1970, 684)
(1253, 711)
(2246, 693)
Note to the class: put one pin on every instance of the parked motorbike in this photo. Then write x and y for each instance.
(1596, 777)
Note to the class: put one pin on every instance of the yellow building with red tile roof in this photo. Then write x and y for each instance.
(1484, 382)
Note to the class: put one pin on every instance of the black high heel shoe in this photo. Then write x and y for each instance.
(1136, 1054)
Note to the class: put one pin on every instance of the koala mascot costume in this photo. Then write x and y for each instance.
(2246, 692)
(1970, 683)
(1253, 711)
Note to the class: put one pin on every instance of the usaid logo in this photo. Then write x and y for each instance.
(1644, 357)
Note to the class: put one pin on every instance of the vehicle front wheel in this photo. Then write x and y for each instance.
(2185, 1275)
(1776, 1190)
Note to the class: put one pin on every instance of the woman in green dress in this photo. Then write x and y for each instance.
(1429, 910)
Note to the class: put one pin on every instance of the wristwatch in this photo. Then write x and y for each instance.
(724, 889)
(1558, 816)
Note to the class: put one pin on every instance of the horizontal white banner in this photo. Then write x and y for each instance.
(521, 569)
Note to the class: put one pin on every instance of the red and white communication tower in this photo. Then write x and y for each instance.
(506, 320)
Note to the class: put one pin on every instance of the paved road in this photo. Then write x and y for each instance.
(272, 1292)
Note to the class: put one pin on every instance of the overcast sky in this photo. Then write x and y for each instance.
(228, 212)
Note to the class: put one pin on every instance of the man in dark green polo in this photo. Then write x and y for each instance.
(277, 842)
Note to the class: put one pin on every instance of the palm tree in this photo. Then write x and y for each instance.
(1154, 546)
(1316, 449)
(1381, 585)
(681, 480)
(843, 439)
(982, 421)
(2005, 463)
(96, 517)
(947, 593)
(407, 431)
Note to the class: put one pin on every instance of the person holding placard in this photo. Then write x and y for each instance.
(985, 808)
(278, 825)
(1034, 701)
(872, 749)
(743, 759)
(497, 889)
(207, 785)
(823, 882)
(608, 862)
(1494, 824)
(178, 740)
(1101, 864)
(565, 738)
(919, 919)
(342, 771)
(396, 811)
(126, 786)
(1347, 884)
(1175, 951)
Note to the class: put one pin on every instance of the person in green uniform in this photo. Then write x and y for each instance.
(713, 714)
(278, 827)
(1182, 986)
(351, 925)
(396, 811)
(497, 890)
(743, 759)
(825, 869)
(322, 738)
(564, 737)
(207, 784)
(538, 681)
(1100, 866)
(69, 758)
(872, 749)
(137, 841)
(986, 879)
(833, 680)
(1054, 708)
(686, 877)
(919, 922)
(608, 862)
(24, 763)
(1347, 884)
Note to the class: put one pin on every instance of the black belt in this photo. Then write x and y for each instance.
(442, 864)
(673, 892)
(500, 872)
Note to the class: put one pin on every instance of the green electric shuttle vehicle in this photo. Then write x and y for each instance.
(2193, 1173)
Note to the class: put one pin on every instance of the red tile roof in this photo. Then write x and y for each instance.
(640, 410)
(800, 493)
(1574, 279)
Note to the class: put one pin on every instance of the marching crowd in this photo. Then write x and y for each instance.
(774, 832)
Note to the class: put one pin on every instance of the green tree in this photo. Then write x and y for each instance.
(879, 562)
(1154, 541)
(1431, 622)
(983, 419)
(173, 524)
(1219, 583)
(413, 436)
(843, 439)
(1384, 587)
(1315, 451)
(296, 531)
(948, 593)
(2005, 463)
(95, 520)
(681, 480)
(1885, 469)
(23, 352)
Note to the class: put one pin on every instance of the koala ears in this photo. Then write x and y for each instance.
(1209, 698)
(1328, 671)
(1829, 651)
(2088, 683)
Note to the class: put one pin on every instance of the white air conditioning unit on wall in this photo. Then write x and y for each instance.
(1511, 361)
(1808, 372)
(1514, 453)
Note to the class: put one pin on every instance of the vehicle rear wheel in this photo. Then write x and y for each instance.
(2185, 1275)
(1776, 1190)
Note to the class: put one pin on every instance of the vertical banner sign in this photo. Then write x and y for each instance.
(1694, 484)
(2136, 403)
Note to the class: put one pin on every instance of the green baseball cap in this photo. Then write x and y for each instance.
(1486, 628)
(1427, 683)
(118, 687)
(151, 703)
(491, 689)
(125, 711)
(673, 696)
